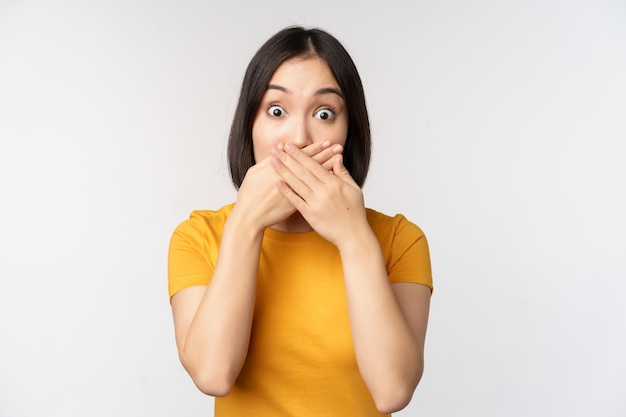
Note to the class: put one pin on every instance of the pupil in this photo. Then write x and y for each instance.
(324, 116)
(276, 112)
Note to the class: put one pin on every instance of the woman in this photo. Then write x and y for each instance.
(296, 300)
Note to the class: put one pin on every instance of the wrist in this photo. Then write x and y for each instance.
(243, 227)
(358, 243)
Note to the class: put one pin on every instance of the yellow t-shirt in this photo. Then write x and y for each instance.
(301, 359)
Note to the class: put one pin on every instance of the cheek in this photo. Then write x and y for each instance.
(340, 134)
(262, 140)
(336, 133)
(344, 135)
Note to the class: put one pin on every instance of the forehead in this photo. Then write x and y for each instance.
(302, 71)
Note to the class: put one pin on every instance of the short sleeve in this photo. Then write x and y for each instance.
(406, 252)
(189, 263)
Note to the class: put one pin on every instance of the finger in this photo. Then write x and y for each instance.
(298, 160)
(341, 171)
(328, 165)
(321, 152)
(312, 149)
(327, 154)
(293, 174)
(296, 201)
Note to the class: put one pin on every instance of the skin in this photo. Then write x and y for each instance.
(302, 105)
(300, 184)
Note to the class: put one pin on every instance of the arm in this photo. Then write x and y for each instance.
(388, 322)
(212, 323)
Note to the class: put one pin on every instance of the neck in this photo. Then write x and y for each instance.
(293, 224)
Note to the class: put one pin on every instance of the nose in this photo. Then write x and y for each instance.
(301, 134)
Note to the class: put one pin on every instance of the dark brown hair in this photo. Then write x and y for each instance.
(291, 42)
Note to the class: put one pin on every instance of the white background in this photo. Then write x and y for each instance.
(498, 127)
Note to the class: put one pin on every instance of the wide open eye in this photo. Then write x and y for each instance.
(276, 111)
(325, 114)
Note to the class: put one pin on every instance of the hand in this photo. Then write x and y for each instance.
(330, 201)
(259, 200)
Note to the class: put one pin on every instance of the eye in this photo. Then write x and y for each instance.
(276, 111)
(325, 114)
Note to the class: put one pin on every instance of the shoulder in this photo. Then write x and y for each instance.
(193, 248)
(404, 248)
(203, 224)
(387, 226)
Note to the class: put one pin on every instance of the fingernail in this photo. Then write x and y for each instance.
(326, 144)
(274, 152)
(276, 162)
(337, 148)
(280, 146)
(289, 147)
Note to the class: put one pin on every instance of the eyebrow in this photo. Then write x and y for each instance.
(321, 91)
(328, 90)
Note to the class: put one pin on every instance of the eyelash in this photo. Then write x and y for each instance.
(330, 110)
(270, 111)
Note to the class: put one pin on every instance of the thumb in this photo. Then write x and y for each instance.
(339, 169)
